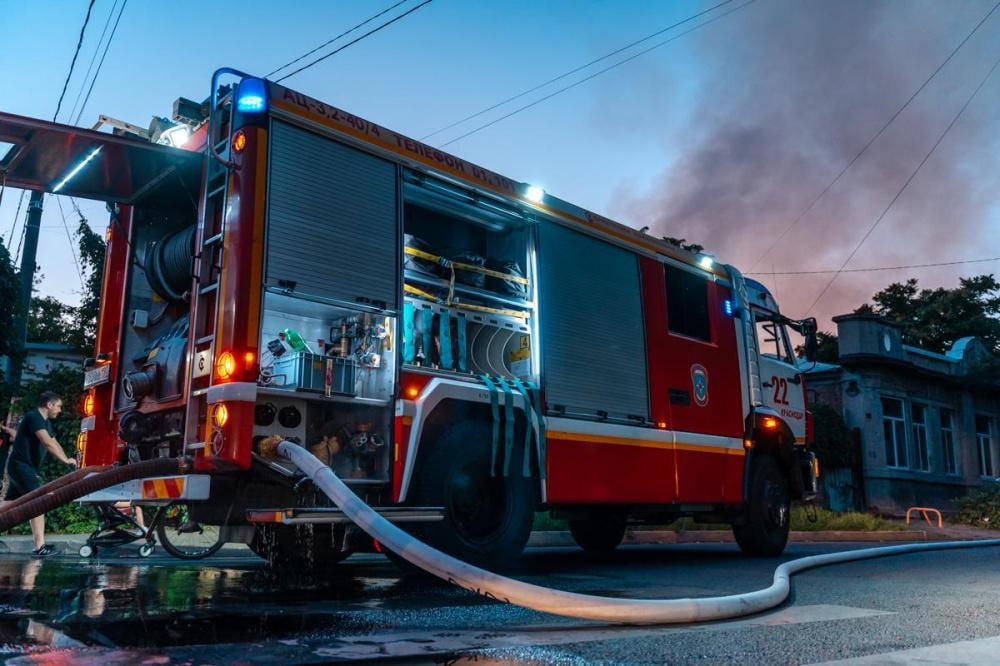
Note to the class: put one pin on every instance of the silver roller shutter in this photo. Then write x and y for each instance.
(593, 339)
(332, 219)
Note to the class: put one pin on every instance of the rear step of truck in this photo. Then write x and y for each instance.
(325, 515)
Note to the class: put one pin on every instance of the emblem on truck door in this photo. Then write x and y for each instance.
(699, 381)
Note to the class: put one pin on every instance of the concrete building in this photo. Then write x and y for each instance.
(925, 432)
(42, 357)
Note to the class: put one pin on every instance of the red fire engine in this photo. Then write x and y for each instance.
(462, 348)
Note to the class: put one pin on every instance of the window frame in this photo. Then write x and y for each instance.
(947, 435)
(921, 442)
(761, 316)
(984, 454)
(668, 270)
(898, 427)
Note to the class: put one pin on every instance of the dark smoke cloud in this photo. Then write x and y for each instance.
(789, 92)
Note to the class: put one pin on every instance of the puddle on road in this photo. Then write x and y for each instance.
(71, 603)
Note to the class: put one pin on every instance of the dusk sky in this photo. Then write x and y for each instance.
(722, 136)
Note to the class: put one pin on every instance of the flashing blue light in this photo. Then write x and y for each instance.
(728, 307)
(251, 96)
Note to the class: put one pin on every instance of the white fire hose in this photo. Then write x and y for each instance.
(570, 604)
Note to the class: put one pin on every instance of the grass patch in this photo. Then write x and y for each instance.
(825, 520)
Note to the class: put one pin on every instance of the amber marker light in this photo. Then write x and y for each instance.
(662, 425)
(748, 444)
(225, 365)
(770, 423)
(220, 415)
(248, 360)
(412, 392)
(239, 141)
(89, 405)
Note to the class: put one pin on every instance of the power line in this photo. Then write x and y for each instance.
(331, 41)
(20, 201)
(905, 185)
(69, 237)
(594, 75)
(104, 54)
(72, 64)
(874, 138)
(355, 40)
(572, 71)
(93, 58)
(881, 268)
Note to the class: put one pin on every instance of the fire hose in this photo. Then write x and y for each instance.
(571, 604)
(83, 482)
(55, 484)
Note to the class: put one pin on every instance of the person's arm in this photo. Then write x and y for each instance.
(10, 431)
(53, 447)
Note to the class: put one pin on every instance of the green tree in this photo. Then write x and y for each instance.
(833, 437)
(10, 298)
(827, 348)
(92, 250)
(935, 318)
(51, 320)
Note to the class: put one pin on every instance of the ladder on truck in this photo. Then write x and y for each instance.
(209, 247)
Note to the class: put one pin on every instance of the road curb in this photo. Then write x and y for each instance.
(648, 537)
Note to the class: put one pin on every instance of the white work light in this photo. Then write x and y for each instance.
(534, 194)
(706, 261)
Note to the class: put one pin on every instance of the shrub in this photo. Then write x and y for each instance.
(981, 508)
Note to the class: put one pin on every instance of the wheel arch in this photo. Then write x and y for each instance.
(778, 443)
(443, 403)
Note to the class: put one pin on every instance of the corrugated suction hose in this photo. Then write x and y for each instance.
(55, 484)
(570, 604)
(89, 481)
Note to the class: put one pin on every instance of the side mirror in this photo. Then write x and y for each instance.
(808, 331)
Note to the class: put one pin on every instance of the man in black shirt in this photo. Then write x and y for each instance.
(34, 438)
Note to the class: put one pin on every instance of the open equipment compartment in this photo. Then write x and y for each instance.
(467, 281)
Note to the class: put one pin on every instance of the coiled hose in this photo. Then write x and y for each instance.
(169, 264)
(89, 483)
(570, 604)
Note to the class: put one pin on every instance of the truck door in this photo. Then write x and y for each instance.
(779, 373)
(694, 377)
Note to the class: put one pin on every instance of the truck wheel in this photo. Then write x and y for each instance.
(487, 519)
(598, 532)
(766, 530)
(297, 547)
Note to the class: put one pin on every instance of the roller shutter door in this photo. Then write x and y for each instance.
(332, 219)
(593, 341)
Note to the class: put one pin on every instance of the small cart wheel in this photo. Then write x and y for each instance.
(86, 550)
(146, 549)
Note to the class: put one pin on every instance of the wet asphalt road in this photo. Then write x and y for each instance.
(231, 609)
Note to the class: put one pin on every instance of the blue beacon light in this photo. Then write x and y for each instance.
(251, 96)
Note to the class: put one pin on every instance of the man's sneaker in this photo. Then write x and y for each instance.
(45, 551)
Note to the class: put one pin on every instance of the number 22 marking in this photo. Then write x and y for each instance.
(780, 385)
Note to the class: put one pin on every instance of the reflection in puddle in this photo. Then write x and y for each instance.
(70, 603)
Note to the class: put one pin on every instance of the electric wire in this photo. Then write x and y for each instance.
(13, 224)
(97, 73)
(906, 184)
(880, 268)
(354, 41)
(331, 41)
(873, 139)
(93, 59)
(72, 64)
(594, 75)
(69, 237)
(573, 71)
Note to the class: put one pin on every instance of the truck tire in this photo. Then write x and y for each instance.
(297, 547)
(598, 532)
(487, 519)
(766, 530)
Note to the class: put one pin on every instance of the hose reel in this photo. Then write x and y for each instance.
(170, 263)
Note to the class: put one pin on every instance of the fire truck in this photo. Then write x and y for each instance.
(463, 349)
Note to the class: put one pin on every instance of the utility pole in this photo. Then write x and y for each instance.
(32, 226)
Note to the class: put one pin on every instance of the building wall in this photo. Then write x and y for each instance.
(875, 366)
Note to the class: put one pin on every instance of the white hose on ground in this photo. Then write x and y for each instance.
(571, 604)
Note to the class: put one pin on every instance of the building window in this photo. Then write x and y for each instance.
(984, 444)
(895, 432)
(948, 442)
(687, 304)
(918, 420)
